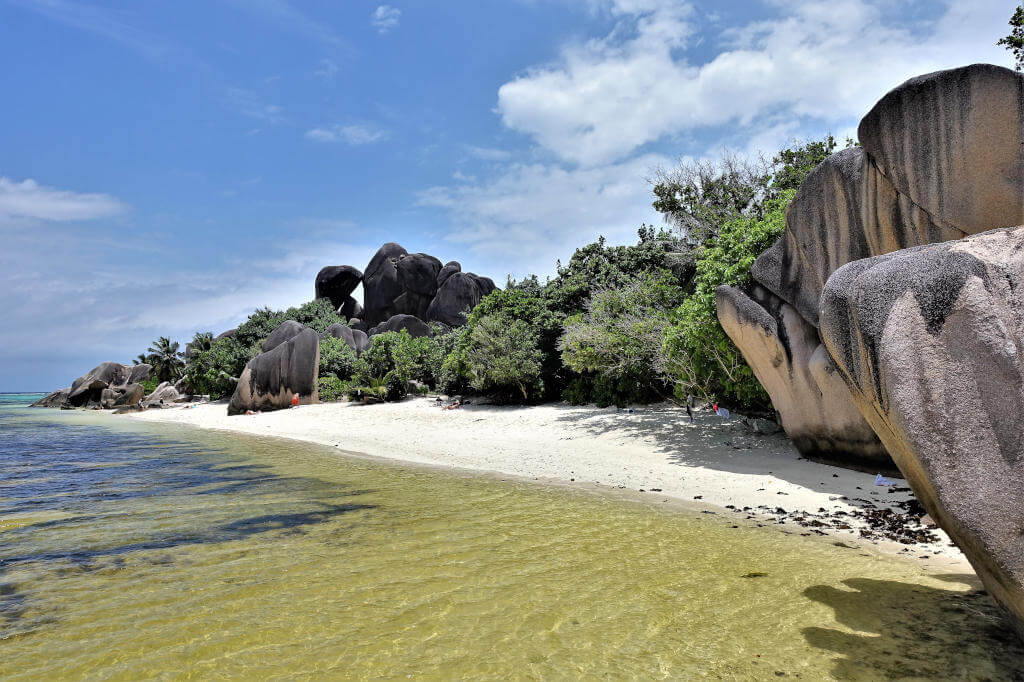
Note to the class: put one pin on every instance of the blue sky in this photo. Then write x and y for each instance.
(167, 167)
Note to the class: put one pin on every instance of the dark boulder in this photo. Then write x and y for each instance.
(112, 398)
(397, 282)
(460, 293)
(270, 379)
(350, 308)
(226, 335)
(88, 389)
(355, 338)
(449, 269)
(337, 282)
(396, 323)
(285, 331)
(55, 399)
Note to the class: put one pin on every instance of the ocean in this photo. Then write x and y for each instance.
(136, 551)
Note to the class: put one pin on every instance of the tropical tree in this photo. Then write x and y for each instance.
(166, 359)
(1014, 42)
(141, 359)
(202, 341)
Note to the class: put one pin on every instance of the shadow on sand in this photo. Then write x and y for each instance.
(715, 443)
(904, 630)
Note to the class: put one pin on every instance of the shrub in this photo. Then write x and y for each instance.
(331, 389)
(336, 358)
(699, 356)
(616, 343)
(395, 387)
(504, 359)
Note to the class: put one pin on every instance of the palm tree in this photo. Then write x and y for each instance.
(142, 359)
(166, 359)
(202, 341)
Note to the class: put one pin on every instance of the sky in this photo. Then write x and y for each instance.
(168, 166)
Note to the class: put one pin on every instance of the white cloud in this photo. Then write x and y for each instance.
(28, 199)
(606, 98)
(73, 298)
(351, 134)
(250, 104)
(532, 214)
(488, 154)
(385, 18)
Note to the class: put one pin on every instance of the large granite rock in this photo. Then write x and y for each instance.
(286, 330)
(398, 283)
(460, 292)
(271, 378)
(55, 399)
(845, 210)
(88, 388)
(942, 158)
(356, 339)
(931, 342)
(164, 394)
(812, 400)
(414, 325)
(337, 282)
(112, 398)
(953, 142)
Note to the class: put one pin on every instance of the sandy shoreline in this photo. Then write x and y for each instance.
(653, 451)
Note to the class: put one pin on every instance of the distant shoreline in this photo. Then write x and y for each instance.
(653, 453)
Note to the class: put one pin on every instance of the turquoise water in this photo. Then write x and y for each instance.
(137, 551)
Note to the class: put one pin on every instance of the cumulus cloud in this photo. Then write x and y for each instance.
(528, 216)
(608, 97)
(385, 18)
(351, 134)
(30, 200)
(97, 295)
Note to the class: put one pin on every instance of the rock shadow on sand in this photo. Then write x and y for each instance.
(899, 630)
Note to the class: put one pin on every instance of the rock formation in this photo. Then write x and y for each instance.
(931, 341)
(164, 394)
(271, 378)
(88, 389)
(396, 323)
(356, 339)
(932, 147)
(399, 284)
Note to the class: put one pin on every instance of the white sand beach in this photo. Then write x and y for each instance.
(654, 451)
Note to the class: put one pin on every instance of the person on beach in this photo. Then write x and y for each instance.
(295, 400)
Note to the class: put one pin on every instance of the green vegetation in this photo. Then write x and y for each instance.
(616, 325)
(1014, 41)
(331, 388)
(166, 360)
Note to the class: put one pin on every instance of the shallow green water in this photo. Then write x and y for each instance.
(148, 552)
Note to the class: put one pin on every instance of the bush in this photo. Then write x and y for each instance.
(523, 307)
(503, 359)
(331, 389)
(215, 371)
(699, 356)
(616, 344)
(336, 358)
(409, 358)
(395, 387)
(149, 385)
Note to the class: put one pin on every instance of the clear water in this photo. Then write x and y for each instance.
(132, 551)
